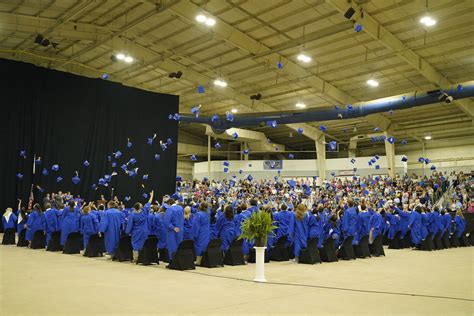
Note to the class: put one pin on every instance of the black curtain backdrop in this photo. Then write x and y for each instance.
(66, 119)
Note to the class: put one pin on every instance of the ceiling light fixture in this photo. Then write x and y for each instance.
(210, 22)
(128, 59)
(234, 110)
(304, 58)
(373, 83)
(300, 105)
(428, 137)
(120, 56)
(220, 83)
(427, 20)
(201, 18)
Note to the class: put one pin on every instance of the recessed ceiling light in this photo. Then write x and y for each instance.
(304, 58)
(300, 105)
(201, 18)
(220, 83)
(210, 22)
(128, 59)
(120, 56)
(428, 137)
(373, 83)
(234, 110)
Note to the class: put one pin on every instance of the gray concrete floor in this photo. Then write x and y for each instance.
(36, 282)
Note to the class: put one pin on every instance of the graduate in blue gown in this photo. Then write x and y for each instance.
(376, 224)
(160, 228)
(35, 222)
(299, 228)
(225, 227)
(404, 220)
(89, 225)
(201, 230)
(283, 218)
(52, 221)
(111, 221)
(425, 222)
(9, 220)
(393, 221)
(137, 226)
(414, 224)
(332, 230)
(460, 223)
(316, 229)
(240, 218)
(188, 223)
(70, 221)
(434, 222)
(363, 221)
(446, 222)
(174, 223)
(349, 222)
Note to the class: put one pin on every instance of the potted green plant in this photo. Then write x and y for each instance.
(256, 229)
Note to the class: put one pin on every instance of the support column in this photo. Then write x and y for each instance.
(321, 156)
(352, 148)
(390, 154)
(246, 146)
(209, 156)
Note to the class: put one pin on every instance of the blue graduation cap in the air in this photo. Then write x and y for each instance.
(132, 173)
(272, 124)
(235, 135)
(19, 176)
(229, 117)
(127, 198)
(291, 183)
(157, 157)
(427, 161)
(145, 177)
(178, 178)
(114, 164)
(217, 145)
(353, 160)
(118, 154)
(246, 151)
(132, 161)
(333, 145)
(226, 163)
(377, 167)
(373, 160)
(40, 188)
(129, 143)
(45, 172)
(145, 195)
(55, 167)
(333, 174)
(280, 65)
(169, 141)
(349, 107)
(193, 158)
(102, 181)
(215, 118)
(291, 156)
(404, 159)
(38, 161)
(200, 89)
(358, 28)
(86, 163)
(249, 177)
(150, 140)
(23, 153)
(421, 159)
(163, 146)
(241, 171)
(109, 158)
(124, 167)
(196, 109)
(226, 170)
(300, 130)
(105, 76)
(377, 157)
(59, 179)
(76, 178)
(433, 167)
(370, 163)
(391, 140)
(404, 142)
(376, 129)
(322, 128)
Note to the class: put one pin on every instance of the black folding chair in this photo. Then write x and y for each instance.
(9, 237)
(22, 242)
(328, 253)
(183, 259)
(279, 252)
(376, 248)
(39, 240)
(72, 244)
(346, 252)
(234, 256)
(149, 253)
(362, 248)
(395, 242)
(54, 243)
(213, 257)
(310, 255)
(124, 251)
(94, 247)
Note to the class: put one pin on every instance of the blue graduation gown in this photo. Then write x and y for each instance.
(201, 231)
(174, 217)
(460, 224)
(246, 245)
(447, 222)
(316, 229)
(137, 226)
(225, 230)
(188, 227)
(414, 225)
(299, 230)
(377, 224)
(349, 224)
(10, 223)
(21, 222)
(89, 227)
(110, 224)
(70, 223)
(35, 222)
(283, 220)
(363, 223)
(333, 231)
(403, 224)
(425, 222)
(52, 223)
(394, 225)
(433, 223)
(160, 230)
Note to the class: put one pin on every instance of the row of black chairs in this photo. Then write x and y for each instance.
(439, 242)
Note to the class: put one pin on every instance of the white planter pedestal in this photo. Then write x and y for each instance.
(260, 264)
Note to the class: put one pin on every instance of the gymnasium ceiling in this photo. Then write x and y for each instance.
(244, 46)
